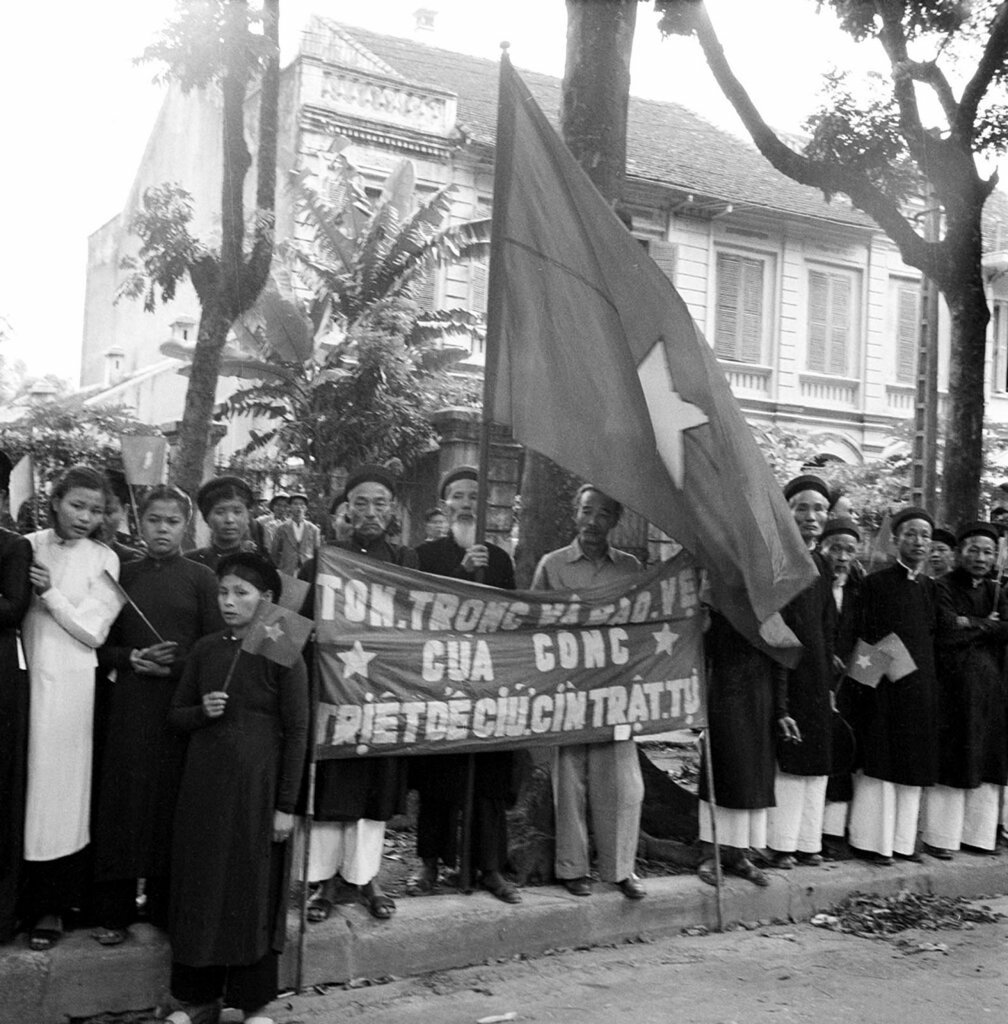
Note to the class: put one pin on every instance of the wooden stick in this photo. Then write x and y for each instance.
(309, 818)
(136, 514)
(231, 667)
(712, 803)
(465, 858)
(147, 622)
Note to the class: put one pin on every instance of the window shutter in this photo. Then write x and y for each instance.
(818, 312)
(839, 324)
(478, 287)
(751, 347)
(664, 254)
(907, 327)
(726, 323)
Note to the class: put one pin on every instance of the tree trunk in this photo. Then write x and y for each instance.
(963, 431)
(236, 284)
(596, 93)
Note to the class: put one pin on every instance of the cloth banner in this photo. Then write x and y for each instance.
(411, 663)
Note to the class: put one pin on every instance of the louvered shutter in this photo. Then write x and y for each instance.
(751, 341)
(840, 327)
(907, 327)
(729, 271)
(478, 287)
(818, 313)
(426, 294)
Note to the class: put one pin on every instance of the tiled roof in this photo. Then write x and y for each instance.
(666, 142)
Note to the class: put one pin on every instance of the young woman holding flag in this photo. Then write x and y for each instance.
(247, 721)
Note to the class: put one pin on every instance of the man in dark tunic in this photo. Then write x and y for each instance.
(941, 558)
(355, 797)
(746, 706)
(441, 779)
(972, 633)
(839, 549)
(225, 502)
(794, 824)
(15, 596)
(897, 724)
(141, 762)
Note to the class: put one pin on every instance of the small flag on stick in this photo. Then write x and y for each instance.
(294, 592)
(868, 664)
(125, 599)
(143, 459)
(902, 663)
(278, 634)
(22, 484)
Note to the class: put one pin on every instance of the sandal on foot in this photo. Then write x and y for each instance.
(707, 872)
(745, 868)
(319, 908)
(110, 936)
(505, 891)
(46, 933)
(378, 903)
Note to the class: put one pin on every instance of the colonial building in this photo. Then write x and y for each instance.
(809, 307)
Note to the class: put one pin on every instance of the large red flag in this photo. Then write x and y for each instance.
(594, 360)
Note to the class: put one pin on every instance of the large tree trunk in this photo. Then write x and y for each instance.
(963, 432)
(596, 93)
(236, 285)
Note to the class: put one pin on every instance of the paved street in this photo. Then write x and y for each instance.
(787, 973)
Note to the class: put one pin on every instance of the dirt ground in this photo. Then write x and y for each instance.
(786, 974)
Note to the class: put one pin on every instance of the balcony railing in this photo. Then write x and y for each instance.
(820, 389)
(747, 380)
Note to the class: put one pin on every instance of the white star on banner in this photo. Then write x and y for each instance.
(273, 632)
(355, 661)
(664, 640)
(670, 415)
(864, 661)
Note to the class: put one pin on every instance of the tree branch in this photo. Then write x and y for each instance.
(963, 126)
(816, 173)
(930, 74)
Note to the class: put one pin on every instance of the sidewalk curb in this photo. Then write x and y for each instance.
(79, 978)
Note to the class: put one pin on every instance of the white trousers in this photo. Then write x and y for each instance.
(834, 822)
(795, 824)
(883, 816)
(742, 829)
(955, 816)
(351, 849)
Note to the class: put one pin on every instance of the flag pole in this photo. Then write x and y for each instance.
(502, 155)
(712, 804)
(309, 818)
(136, 514)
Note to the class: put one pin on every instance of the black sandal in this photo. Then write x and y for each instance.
(44, 936)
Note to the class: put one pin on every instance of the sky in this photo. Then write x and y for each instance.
(77, 112)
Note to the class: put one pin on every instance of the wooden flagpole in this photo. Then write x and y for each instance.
(309, 818)
(712, 804)
(491, 348)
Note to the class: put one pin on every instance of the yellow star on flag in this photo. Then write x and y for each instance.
(273, 631)
(664, 640)
(355, 661)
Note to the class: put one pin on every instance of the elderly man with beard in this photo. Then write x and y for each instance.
(970, 647)
(804, 752)
(604, 778)
(440, 779)
(354, 798)
(897, 722)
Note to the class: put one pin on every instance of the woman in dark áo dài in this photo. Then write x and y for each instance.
(141, 766)
(248, 736)
(15, 595)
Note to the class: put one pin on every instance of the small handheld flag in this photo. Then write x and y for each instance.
(22, 484)
(294, 592)
(868, 664)
(143, 459)
(902, 663)
(278, 634)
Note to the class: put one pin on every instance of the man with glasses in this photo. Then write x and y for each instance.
(355, 797)
(897, 725)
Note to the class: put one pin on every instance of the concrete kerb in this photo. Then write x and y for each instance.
(79, 977)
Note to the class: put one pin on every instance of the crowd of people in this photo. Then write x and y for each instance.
(143, 751)
(827, 759)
